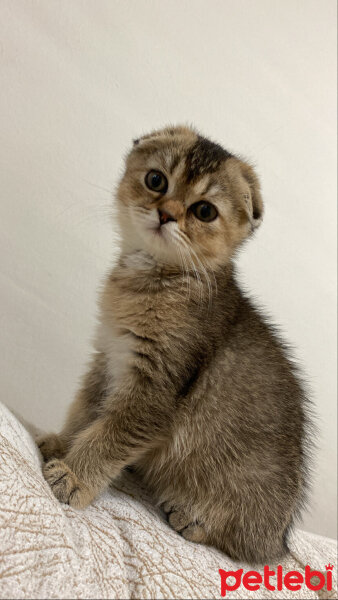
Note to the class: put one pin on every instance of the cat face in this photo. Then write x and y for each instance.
(185, 200)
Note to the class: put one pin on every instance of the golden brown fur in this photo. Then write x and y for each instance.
(188, 383)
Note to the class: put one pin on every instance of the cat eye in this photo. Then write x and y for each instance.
(156, 181)
(204, 211)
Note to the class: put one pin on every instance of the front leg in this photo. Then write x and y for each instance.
(133, 422)
(51, 446)
(83, 411)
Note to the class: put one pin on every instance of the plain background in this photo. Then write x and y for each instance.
(79, 79)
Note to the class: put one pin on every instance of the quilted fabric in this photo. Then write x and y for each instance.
(120, 547)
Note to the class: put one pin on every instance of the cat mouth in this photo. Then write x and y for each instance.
(159, 228)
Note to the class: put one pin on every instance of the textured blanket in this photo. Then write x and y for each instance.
(120, 547)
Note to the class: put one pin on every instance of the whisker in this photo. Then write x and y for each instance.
(207, 279)
(99, 187)
(207, 276)
(203, 269)
(78, 213)
(186, 276)
(197, 275)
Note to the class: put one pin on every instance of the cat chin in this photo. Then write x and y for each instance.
(162, 254)
(148, 246)
(156, 243)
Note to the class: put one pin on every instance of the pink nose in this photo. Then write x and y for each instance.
(165, 217)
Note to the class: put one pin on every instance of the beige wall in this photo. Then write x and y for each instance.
(78, 80)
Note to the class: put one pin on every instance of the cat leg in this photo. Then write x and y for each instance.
(86, 469)
(51, 445)
(248, 529)
(56, 445)
(113, 440)
(82, 411)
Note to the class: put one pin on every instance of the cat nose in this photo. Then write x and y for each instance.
(170, 209)
(165, 216)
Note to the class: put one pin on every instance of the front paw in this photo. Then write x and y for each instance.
(65, 486)
(51, 446)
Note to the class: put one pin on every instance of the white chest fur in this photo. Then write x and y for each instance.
(124, 313)
(118, 348)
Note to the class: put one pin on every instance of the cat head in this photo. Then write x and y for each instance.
(186, 200)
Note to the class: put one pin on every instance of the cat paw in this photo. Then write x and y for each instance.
(181, 522)
(194, 533)
(177, 517)
(51, 446)
(65, 486)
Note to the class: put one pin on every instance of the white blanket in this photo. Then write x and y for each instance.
(120, 547)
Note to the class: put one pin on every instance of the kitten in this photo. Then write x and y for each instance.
(188, 383)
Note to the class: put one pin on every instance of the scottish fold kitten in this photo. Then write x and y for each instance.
(188, 383)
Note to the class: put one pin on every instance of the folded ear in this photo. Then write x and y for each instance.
(251, 195)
